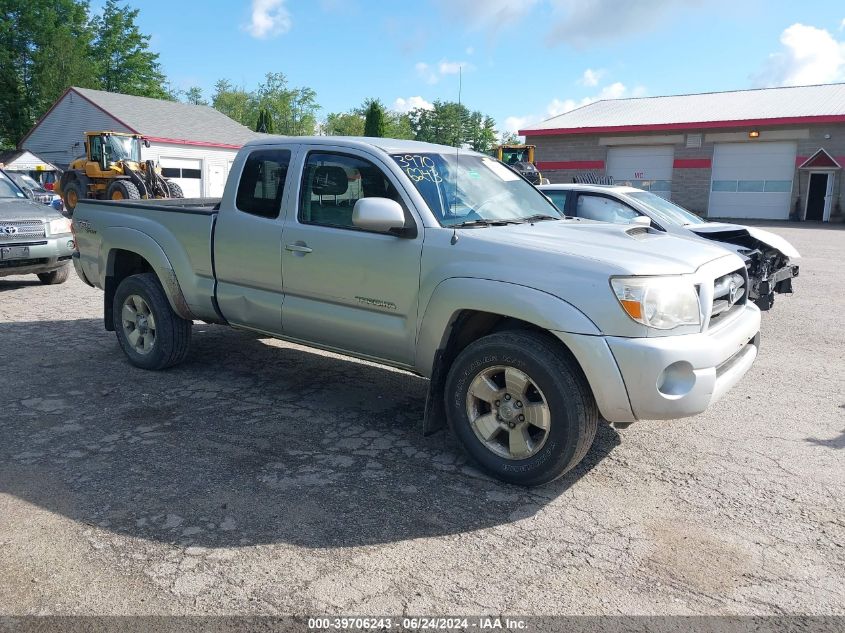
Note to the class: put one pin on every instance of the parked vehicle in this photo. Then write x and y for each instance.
(32, 188)
(112, 169)
(769, 259)
(34, 238)
(520, 158)
(447, 264)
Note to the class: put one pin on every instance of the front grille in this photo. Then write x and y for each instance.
(21, 263)
(729, 293)
(21, 229)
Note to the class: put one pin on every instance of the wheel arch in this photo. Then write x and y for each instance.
(131, 252)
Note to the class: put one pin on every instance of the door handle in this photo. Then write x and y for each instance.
(298, 247)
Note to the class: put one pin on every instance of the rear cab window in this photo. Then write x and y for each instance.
(559, 198)
(262, 182)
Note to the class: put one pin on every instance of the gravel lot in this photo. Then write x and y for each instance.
(263, 478)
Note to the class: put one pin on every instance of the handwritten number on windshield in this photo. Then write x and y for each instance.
(419, 168)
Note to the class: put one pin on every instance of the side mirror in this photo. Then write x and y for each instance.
(382, 215)
(641, 220)
(146, 142)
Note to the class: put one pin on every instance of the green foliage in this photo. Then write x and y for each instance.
(45, 46)
(451, 123)
(374, 119)
(344, 124)
(193, 95)
(265, 121)
(509, 138)
(293, 110)
(121, 52)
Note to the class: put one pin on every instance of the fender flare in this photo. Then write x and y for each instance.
(141, 244)
(456, 294)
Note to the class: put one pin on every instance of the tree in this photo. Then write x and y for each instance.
(344, 124)
(124, 62)
(235, 103)
(399, 126)
(451, 123)
(509, 138)
(194, 96)
(45, 46)
(293, 110)
(265, 121)
(374, 119)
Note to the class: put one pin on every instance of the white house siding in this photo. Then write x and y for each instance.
(65, 125)
(216, 162)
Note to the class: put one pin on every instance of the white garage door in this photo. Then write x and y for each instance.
(752, 180)
(185, 172)
(648, 168)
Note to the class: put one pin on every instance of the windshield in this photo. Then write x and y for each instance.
(471, 188)
(665, 210)
(25, 181)
(123, 148)
(8, 189)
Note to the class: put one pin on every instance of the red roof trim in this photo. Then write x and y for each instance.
(552, 165)
(654, 127)
(821, 159)
(58, 101)
(182, 141)
(692, 163)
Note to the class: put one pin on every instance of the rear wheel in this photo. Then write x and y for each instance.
(150, 333)
(55, 277)
(71, 193)
(123, 190)
(175, 190)
(520, 407)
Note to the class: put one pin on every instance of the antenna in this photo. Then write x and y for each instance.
(457, 152)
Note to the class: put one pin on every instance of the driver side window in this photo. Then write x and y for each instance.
(96, 148)
(333, 183)
(604, 209)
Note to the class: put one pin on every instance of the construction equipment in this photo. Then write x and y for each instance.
(521, 159)
(112, 169)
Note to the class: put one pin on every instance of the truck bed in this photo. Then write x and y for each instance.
(178, 205)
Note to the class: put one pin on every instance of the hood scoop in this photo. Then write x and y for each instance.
(638, 232)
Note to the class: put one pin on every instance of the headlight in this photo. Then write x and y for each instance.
(662, 303)
(59, 227)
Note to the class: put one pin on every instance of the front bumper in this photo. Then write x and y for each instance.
(45, 254)
(666, 377)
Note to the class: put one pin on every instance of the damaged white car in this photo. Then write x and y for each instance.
(769, 259)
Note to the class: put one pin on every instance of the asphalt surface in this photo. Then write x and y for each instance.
(263, 478)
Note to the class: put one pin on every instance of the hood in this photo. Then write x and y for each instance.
(744, 236)
(26, 209)
(628, 249)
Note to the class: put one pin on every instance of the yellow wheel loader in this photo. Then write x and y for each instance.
(112, 169)
(521, 158)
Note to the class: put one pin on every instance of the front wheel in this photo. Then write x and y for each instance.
(123, 190)
(175, 190)
(520, 407)
(55, 277)
(150, 333)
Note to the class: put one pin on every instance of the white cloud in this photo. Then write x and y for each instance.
(411, 103)
(268, 18)
(584, 22)
(842, 25)
(433, 73)
(470, 50)
(490, 15)
(809, 55)
(591, 77)
(513, 124)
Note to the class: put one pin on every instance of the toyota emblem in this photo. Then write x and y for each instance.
(10, 230)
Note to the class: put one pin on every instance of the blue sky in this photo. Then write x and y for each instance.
(522, 60)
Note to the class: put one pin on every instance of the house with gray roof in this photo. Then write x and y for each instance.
(771, 153)
(194, 144)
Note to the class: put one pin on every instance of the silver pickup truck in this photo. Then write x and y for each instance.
(444, 263)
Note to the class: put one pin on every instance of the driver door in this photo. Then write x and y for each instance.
(346, 288)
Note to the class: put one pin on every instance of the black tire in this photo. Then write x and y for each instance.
(55, 277)
(172, 332)
(72, 193)
(123, 190)
(175, 190)
(572, 409)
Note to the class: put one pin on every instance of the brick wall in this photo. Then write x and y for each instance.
(691, 185)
